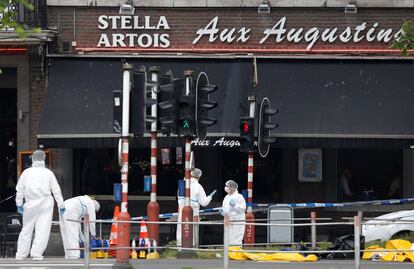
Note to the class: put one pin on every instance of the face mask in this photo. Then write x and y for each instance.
(226, 189)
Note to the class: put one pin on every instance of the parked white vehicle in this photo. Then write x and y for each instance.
(384, 227)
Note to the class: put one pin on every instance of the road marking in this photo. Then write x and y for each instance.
(46, 265)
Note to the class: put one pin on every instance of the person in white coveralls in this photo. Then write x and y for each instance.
(71, 231)
(234, 206)
(197, 197)
(35, 202)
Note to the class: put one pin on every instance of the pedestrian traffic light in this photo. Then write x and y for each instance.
(246, 134)
(186, 116)
(203, 105)
(141, 101)
(265, 125)
(170, 89)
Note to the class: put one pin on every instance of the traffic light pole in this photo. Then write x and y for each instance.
(249, 233)
(187, 213)
(153, 208)
(122, 255)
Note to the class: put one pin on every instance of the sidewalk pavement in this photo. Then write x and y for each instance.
(58, 263)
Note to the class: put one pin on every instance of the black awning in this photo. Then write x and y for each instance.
(329, 98)
(79, 99)
(319, 99)
(78, 110)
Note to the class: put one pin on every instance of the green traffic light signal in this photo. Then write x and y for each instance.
(186, 125)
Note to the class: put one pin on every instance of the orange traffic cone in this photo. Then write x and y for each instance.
(143, 241)
(113, 239)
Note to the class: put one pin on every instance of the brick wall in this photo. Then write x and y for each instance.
(81, 25)
(37, 97)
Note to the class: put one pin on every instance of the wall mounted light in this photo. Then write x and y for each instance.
(351, 7)
(127, 8)
(264, 7)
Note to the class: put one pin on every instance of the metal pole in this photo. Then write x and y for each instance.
(153, 208)
(357, 232)
(187, 213)
(360, 215)
(86, 236)
(122, 255)
(187, 230)
(226, 243)
(313, 229)
(250, 229)
(100, 229)
(125, 135)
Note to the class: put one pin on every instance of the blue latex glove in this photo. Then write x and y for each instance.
(62, 210)
(212, 193)
(221, 211)
(232, 203)
(20, 210)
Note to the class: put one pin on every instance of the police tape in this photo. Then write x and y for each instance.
(8, 198)
(263, 207)
(359, 203)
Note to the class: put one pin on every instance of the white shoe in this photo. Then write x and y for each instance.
(37, 258)
(19, 258)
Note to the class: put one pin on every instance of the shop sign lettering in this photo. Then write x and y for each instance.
(147, 31)
(220, 142)
(140, 38)
(279, 33)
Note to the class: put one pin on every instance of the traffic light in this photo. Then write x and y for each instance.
(265, 125)
(186, 123)
(246, 134)
(170, 89)
(140, 101)
(117, 114)
(203, 105)
(186, 116)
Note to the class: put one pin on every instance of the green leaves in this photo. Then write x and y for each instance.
(406, 40)
(8, 15)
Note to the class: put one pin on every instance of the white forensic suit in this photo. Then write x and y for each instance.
(197, 197)
(36, 185)
(71, 231)
(236, 213)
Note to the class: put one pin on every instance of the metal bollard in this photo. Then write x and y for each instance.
(86, 236)
(360, 215)
(313, 229)
(226, 243)
(100, 229)
(357, 232)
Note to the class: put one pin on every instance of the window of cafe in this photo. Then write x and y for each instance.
(369, 174)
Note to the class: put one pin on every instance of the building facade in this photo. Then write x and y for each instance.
(344, 95)
(23, 80)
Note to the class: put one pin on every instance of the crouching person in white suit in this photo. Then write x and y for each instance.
(71, 231)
